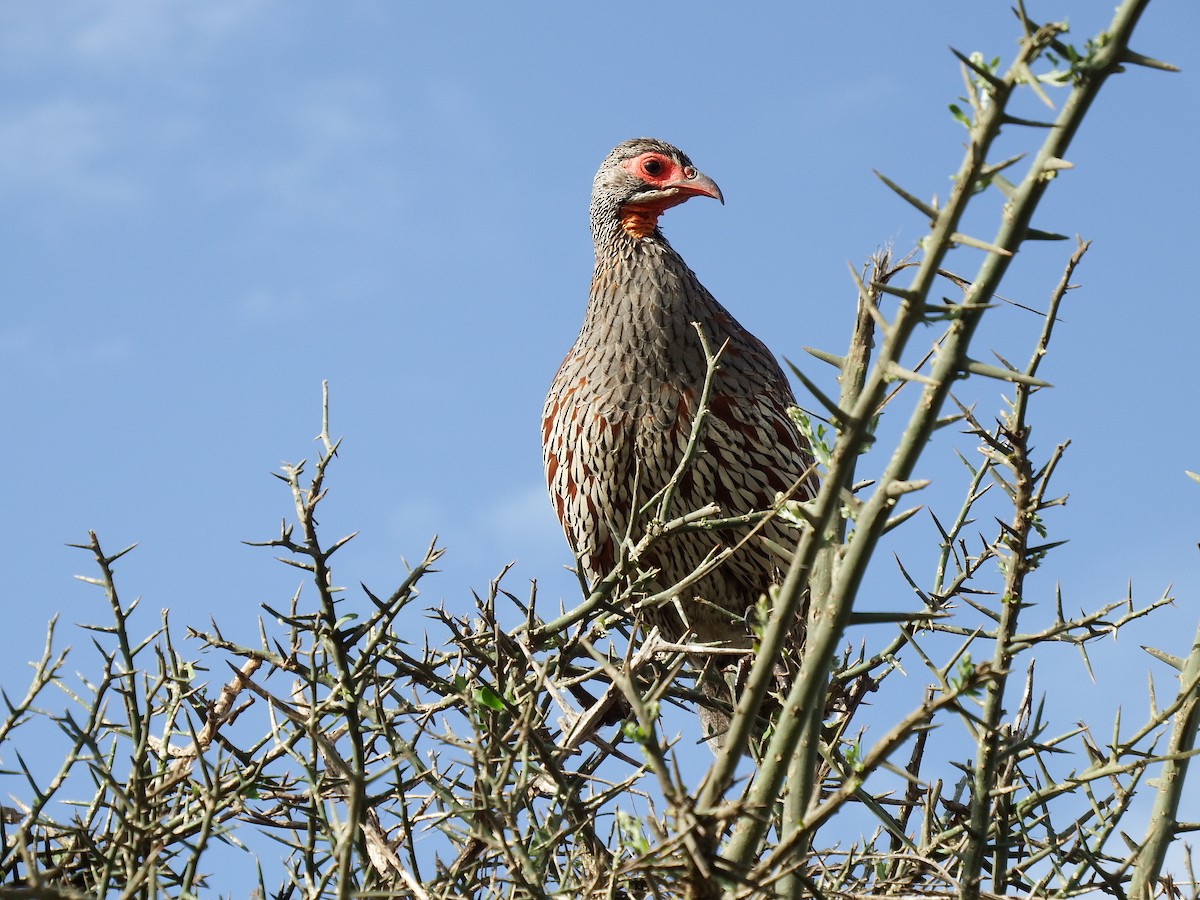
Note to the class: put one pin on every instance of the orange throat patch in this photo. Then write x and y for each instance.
(640, 220)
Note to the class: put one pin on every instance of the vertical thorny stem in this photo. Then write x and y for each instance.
(988, 743)
(1010, 449)
(346, 701)
(827, 621)
(854, 367)
(1164, 818)
(136, 812)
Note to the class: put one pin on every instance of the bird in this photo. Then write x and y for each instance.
(620, 412)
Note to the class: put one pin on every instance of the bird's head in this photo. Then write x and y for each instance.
(643, 177)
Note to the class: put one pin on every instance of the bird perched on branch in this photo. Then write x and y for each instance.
(620, 412)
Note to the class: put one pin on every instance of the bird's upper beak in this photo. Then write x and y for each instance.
(696, 184)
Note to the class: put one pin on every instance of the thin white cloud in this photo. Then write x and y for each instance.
(119, 32)
(72, 125)
(17, 343)
(61, 148)
(263, 305)
(31, 348)
(107, 351)
(523, 514)
(331, 161)
(340, 126)
(521, 526)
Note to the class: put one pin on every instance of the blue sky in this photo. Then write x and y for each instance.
(212, 207)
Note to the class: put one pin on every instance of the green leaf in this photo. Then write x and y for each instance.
(853, 756)
(635, 732)
(488, 698)
(820, 439)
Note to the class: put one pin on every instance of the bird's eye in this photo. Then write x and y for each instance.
(652, 166)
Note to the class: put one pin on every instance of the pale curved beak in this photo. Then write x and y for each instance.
(696, 183)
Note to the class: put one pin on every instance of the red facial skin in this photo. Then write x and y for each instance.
(673, 183)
